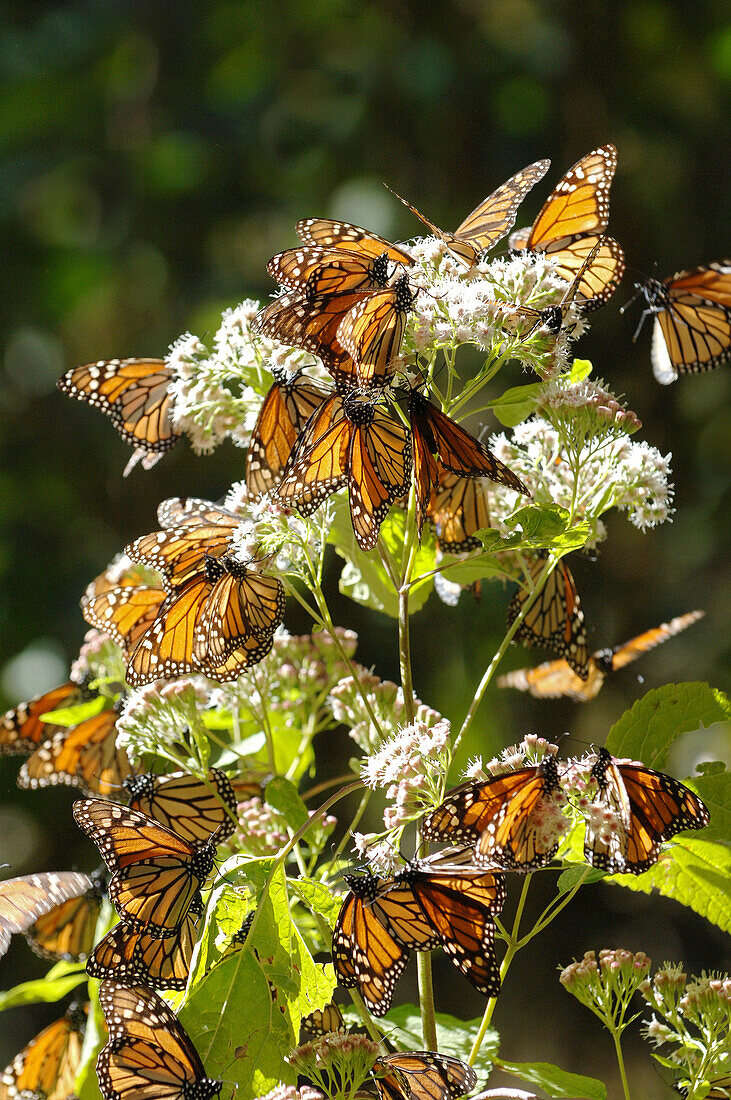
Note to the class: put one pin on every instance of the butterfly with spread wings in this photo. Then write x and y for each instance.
(457, 509)
(137, 958)
(692, 311)
(505, 816)
(84, 756)
(285, 410)
(347, 442)
(24, 900)
(555, 679)
(489, 221)
(193, 808)
(23, 728)
(48, 1066)
(571, 223)
(67, 931)
(135, 394)
(422, 1075)
(650, 808)
(337, 258)
(156, 875)
(435, 437)
(436, 902)
(149, 1054)
(554, 620)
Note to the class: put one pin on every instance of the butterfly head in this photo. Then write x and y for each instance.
(604, 659)
(76, 1014)
(379, 270)
(361, 413)
(599, 770)
(214, 568)
(552, 319)
(363, 886)
(201, 863)
(405, 297)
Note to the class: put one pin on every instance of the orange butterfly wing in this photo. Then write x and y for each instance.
(284, 412)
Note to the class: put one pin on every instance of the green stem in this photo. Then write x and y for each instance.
(426, 1000)
(491, 668)
(617, 1039)
(512, 949)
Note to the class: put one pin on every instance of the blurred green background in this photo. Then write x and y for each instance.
(155, 154)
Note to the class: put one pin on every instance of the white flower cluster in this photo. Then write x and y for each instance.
(615, 473)
(99, 659)
(531, 750)
(217, 392)
(482, 306)
(289, 1092)
(411, 766)
(384, 702)
(294, 542)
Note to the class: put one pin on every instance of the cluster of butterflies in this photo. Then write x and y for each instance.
(450, 900)
(158, 853)
(346, 296)
(208, 613)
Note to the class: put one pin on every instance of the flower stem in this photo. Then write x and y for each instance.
(426, 1000)
(617, 1038)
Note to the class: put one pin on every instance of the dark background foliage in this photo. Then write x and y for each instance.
(155, 154)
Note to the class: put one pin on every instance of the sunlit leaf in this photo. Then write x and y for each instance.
(555, 1081)
(647, 730)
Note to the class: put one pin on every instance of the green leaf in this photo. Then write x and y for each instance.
(57, 983)
(555, 1081)
(283, 796)
(318, 898)
(516, 404)
(454, 1036)
(647, 730)
(73, 716)
(580, 369)
(364, 577)
(577, 872)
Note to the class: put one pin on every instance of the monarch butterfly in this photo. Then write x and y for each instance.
(489, 221)
(651, 807)
(324, 1021)
(364, 952)
(23, 728)
(434, 902)
(193, 808)
(243, 604)
(194, 532)
(327, 234)
(149, 1053)
(156, 875)
(134, 393)
(457, 509)
(572, 221)
(422, 1075)
(67, 931)
(505, 815)
(47, 1067)
(312, 324)
(347, 442)
(84, 756)
(137, 958)
(359, 265)
(554, 678)
(23, 900)
(554, 317)
(125, 613)
(171, 647)
(371, 332)
(555, 619)
(436, 434)
(284, 412)
(692, 330)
